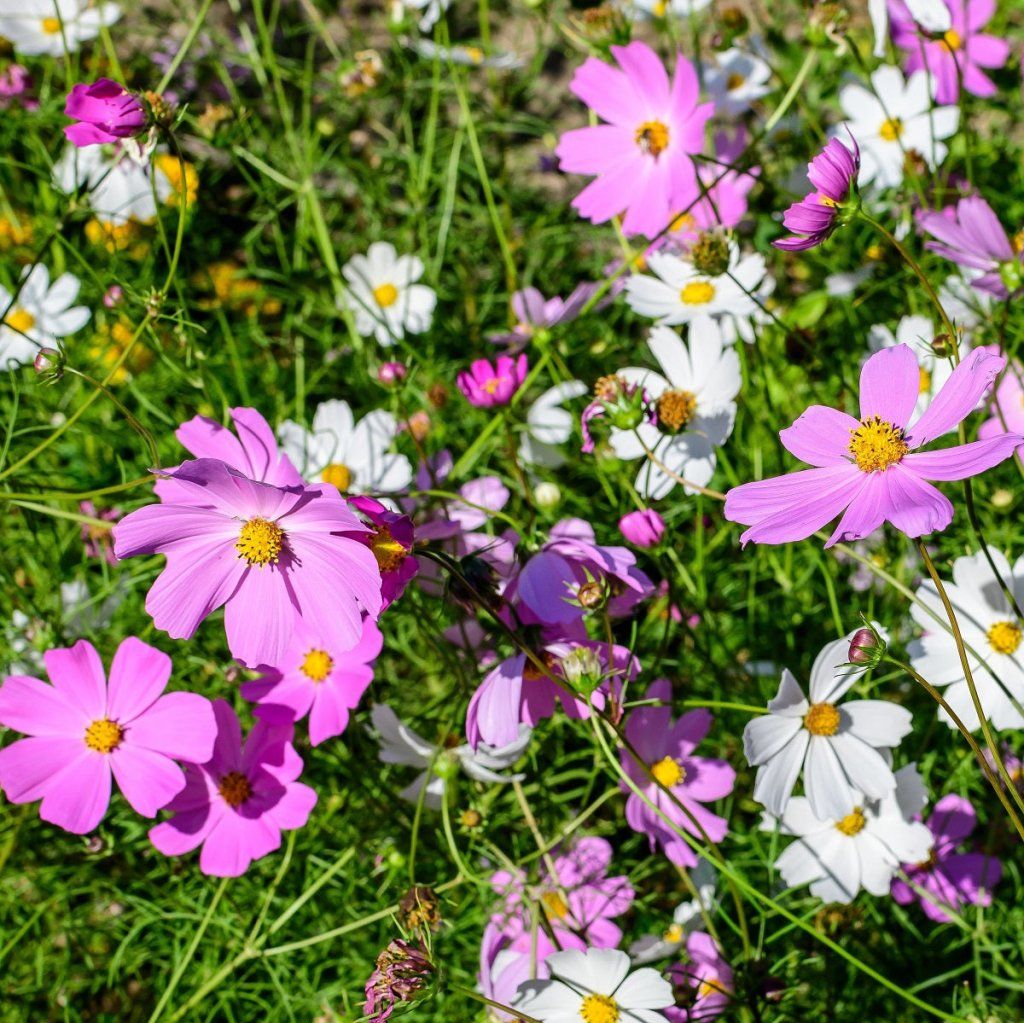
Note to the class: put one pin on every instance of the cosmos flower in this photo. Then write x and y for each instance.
(506, 963)
(870, 467)
(52, 27)
(391, 540)
(549, 425)
(42, 313)
(687, 917)
(642, 528)
(105, 111)
(708, 977)
(486, 384)
(736, 81)
(403, 972)
(1007, 405)
(534, 313)
(931, 15)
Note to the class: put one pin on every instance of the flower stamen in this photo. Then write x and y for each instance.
(104, 735)
(260, 542)
(317, 665)
(652, 137)
(876, 444)
(1004, 637)
(668, 772)
(853, 823)
(822, 719)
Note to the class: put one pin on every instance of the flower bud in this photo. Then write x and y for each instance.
(49, 363)
(644, 528)
(391, 372)
(591, 595)
(866, 648)
(105, 111)
(547, 495)
(113, 296)
(581, 668)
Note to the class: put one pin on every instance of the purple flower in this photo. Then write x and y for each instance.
(643, 528)
(534, 313)
(868, 469)
(705, 982)
(948, 878)
(105, 111)
(485, 384)
(391, 372)
(833, 173)
(15, 81)
(506, 963)
(391, 539)
(666, 748)
(237, 803)
(97, 540)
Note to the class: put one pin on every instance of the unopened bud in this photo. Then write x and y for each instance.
(591, 594)
(547, 495)
(581, 668)
(471, 818)
(391, 372)
(866, 648)
(49, 363)
(113, 295)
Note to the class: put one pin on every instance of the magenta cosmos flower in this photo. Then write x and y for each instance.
(958, 54)
(105, 111)
(643, 156)
(83, 730)
(486, 384)
(317, 680)
(237, 803)
(1006, 405)
(666, 748)
(706, 982)
(267, 554)
(391, 539)
(869, 468)
(643, 528)
(833, 173)
(947, 878)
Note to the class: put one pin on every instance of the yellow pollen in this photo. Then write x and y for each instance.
(555, 905)
(876, 444)
(385, 295)
(1004, 637)
(317, 665)
(387, 550)
(338, 475)
(697, 293)
(827, 200)
(711, 986)
(952, 39)
(652, 137)
(874, 253)
(673, 934)
(822, 719)
(684, 222)
(892, 129)
(852, 823)
(668, 772)
(104, 735)
(259, 542)
(734, 81)
(235, 789)
(51, 26)
(599, 1009)
(925, 382)
(676, 409)
(20, 320)
(660, 8)
(492, 384)
(474, 54)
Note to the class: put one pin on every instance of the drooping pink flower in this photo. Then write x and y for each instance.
(948, 878)
(84, 729)
(706, 981)
(105, 111)
(487, 384)
(666, 748)
(959, 54)
(869, 469)
(268, 554)
(643, 156)
(97, 540)
(237, 803)
(833, 173)
(1006, 404)
(643, 528)
(391, 539)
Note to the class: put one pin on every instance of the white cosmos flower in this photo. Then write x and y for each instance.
(737, 81)
(687, 917)
(839, 856)
(469, 56)
(399, 744)
(694, 401)
(430, 11)
(384, 296)
(836, 746)
(661, 8)
(932, 15)
(42, 313)
(549, 425)
(892, 119)
(595, 985)
(49, 27)
(991, 633)
(353, 456)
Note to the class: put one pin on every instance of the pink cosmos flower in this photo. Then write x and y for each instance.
(105, 111)
(643, 156)
(83, 729)
(534, 313)
(643, 528)
(960, 53)
(97, 540)
(868, 469)
(237, 803)
(949, 878)
(15, 82)
(1007, 404)
(391, 539)
(666, 748)
(507, 963)
(833, 173)
(708, 978)
(391, 372)
(485, 384)
(268, 554)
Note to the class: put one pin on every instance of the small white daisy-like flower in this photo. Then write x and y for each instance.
(594, 985)
(694, 403)
(838, 856)
(663, 8)
(836, 746)
(893, 119)
(52, 27)
(991, 632)
(468, 56)
(41, 313)
(384, 296)
(354, 457)
(549, 425)
(429, 11)
(737, 81)
(687, 917)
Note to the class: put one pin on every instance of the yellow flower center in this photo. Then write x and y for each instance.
(668, 772)
(952, 39)
(852, 823)
(924, 382)
(235, 789)
(104, 735)
(599, 1009)
(827, 200)
(20, 320)
(1004, 637)
(673, 934)
(874, 252)
(660, 8)
(652, 137)
(317, 665)
(876, 444)
(697, 293)
(684, 222)
(711, 986)
(474, 54)
(676, 409)
(387, 550)
(734, 81)
(260, 542)
(822, 719)
(892, 129)
(338, 475)
(554, 905)
(51, 26)
(385, 295)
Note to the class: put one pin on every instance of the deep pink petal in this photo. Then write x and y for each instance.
(647, 75)
(27, 767)
(890, 383)
(821, 436)
(77, 798)
(235, 842)
(607, 91)
(187, 831)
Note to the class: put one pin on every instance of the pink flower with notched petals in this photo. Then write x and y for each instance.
(708, 976)
(666, 748)
(487, 384)
(869, 469)
(534, 312)
(84, 729)
(268, 554)
(643, 156)
(237, 803)
(958, 54)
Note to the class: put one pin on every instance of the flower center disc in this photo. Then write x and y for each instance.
(20, 320)
(260, 542)
(387, 550)
(235, 789)
(852, 823)
(876, 444)
(1004, 637)
(317, 665)
(51, 26)
(892, 129)
(822, 719)
(554, 905)
(697, 293)
(652, 137)
(104, 735)
(676, 409)
(952, 39)
(734, 81)
(668, 772)
(385, 295)
(599, 1009)
(338, 475)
